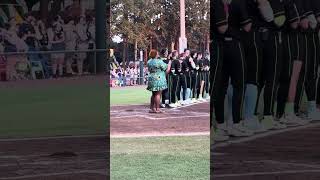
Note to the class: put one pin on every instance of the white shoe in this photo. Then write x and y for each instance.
(163, 105)
(277, 125)
(172, 105)
(238, 130)
(178, 104)
(208, 97)
(222, 127)
(314, 116)
(254, 125)
(292, 120)
(270, 124)
(220, 135)
(193, 100)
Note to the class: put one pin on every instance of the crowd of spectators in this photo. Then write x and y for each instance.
(128, 76)
(33, 35)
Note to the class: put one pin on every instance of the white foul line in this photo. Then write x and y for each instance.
(139, 135)
(161, 118)
(258, 136)
(268, 173)
(56, 174)
(53, 138)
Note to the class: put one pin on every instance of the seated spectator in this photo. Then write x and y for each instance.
(13, 43)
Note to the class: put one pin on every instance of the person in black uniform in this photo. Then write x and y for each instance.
(263, 47)
(317, 13)
(293, 57)
(269, 18)
(183, 70)
(188, 77)
(192, 63)
(206, 64)
(165, 93)
(200, 77)
(173, 80)
(308, 74)
(230, 18)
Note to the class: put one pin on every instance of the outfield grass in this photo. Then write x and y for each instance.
(64, 109)
(174, 158)
(129, 95)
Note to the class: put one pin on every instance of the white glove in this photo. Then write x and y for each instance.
(266, 11)
(312, 21)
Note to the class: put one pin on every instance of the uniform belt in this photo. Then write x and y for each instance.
(228, 39)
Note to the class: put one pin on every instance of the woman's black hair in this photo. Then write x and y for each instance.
(193, 53)
(163, 52)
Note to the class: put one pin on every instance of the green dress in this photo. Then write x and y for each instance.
(157, 75)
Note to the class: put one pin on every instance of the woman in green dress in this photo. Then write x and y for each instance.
(157, 79)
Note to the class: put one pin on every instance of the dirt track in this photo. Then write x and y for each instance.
(129, 121)
(73, 158)
(50, 159)
(290, 155)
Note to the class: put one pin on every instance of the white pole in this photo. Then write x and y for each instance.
(141, 68)
(182, 39)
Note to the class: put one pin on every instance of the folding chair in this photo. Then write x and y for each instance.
(36, 67)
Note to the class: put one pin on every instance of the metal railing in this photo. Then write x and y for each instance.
(94, 51)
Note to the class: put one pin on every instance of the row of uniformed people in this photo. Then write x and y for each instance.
(270, 51)
(188, 80)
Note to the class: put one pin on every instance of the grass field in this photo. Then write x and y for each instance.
(61, 109)
(129, 96)
(174, 158)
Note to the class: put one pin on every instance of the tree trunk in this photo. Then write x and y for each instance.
(172, 46)
(146, 56)
(207, 42)
(135, 50)
(124, 55)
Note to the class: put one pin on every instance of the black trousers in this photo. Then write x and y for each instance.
(165, 93)
(189, 79)
(292, 51)
(194, 83)
(182, 85)
(174, 94)
(200, 78)
(230, 62)
(308, 74)
(206, 81)
(253, 57)
(270, 48)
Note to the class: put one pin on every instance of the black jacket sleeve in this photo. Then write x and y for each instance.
(243, 12)
(292, 12)
(219, 14)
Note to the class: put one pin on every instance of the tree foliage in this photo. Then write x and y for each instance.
(157, 22)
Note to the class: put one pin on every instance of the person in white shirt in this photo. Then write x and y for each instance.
(71, 36)
(57, 42)
(82, 43)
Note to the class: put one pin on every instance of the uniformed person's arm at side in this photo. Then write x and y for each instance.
(293, 13)
(265, 9)
(221, 19)
(316, 9)
(246, 22)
